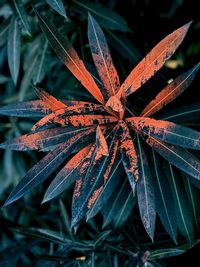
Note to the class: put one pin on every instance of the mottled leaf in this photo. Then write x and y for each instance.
(88, 188)
(154, 60)
(145, 192)
(42, 139)
(33, 108)
(110, 186)
(129, 156)
(45, 167)
(102, 58)
(69, 174)
(50, 101)
(75, 120)
(167, 131)
(68, 55)
(170, 92)
(58, 6)
(164, 199)
(13, 46)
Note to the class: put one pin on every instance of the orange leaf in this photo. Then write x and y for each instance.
(154, 60)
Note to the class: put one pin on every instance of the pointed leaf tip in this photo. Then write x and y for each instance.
(103, 147)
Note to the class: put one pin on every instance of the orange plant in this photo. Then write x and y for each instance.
(106, 129)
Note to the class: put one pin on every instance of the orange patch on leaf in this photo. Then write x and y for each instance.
(94, 197)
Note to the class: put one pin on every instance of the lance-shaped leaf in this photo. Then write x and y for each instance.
(110, 186)
(177, 156)
(129, 156)
(167, 131)
(102, 58)
(164, 199)
(116, 203)
(69, 174)
(35, 108)
(14, 43)
(75, 120)
(154, 60)
(50, 101)
(58, 6)
(68, 55)
(42, 139)
(170, 92)
(186, 113)
(183, 214)
(18, 4)
(46, 166)
(145, 192)
(193, 197)
(125, 210)
(89, 187)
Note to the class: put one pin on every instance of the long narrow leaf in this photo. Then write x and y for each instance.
(68, 55)
(172, 91)
(164, 199)
(18, 4)
(129, 156)
(45, 167)
(186, 113)
(102, 58)
(145, 192)
(154, 60)
(183, 214)
(58, 6)
(177, 156)
(14, 43)
(75, 120)
(167, 131)
(42, 139)
(70, 173)
(88, 189)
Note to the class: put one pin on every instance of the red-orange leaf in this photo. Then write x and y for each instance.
(75, 120)
(102, 58)
(170, 92)
(42, 139)
(129, 155)
(154, 60)
(68, 55)
(50, 101)
(167, 131)
(70, 173)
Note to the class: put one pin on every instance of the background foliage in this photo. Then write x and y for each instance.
(32, 234)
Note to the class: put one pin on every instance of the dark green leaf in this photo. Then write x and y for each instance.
(22, 15)
(3, 32)
(165, 253)
(145, 192)
(190, 112)
(106, 17)
(115, 202)
(164, 199)
(14, 43)
(182, 208)
(179, 157)
(58, 6)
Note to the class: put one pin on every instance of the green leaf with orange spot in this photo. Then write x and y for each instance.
(167, 131)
